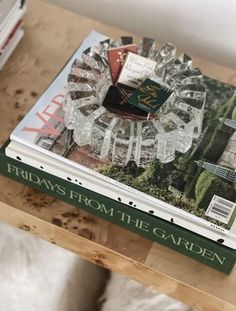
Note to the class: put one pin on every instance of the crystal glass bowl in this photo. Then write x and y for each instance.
(120, 140)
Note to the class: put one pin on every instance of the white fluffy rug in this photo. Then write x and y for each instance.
(36, 275)
(127, 295)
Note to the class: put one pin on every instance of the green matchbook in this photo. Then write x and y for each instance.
(149, 226)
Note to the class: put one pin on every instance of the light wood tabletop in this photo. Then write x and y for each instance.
(51, 36)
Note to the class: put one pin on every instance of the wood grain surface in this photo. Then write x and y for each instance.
(51, 36)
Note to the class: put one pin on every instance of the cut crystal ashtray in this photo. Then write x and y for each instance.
(118, 139)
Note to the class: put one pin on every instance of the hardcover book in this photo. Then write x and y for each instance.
(176, 162)
(11, 23)
(147, 225)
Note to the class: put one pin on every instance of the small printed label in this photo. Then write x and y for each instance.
(135, 70)
(221, 209)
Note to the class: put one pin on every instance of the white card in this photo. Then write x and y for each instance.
(135, 70)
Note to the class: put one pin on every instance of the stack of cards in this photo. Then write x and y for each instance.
(11, 22)
(134, 94)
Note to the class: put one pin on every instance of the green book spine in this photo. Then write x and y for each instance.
(151, 227)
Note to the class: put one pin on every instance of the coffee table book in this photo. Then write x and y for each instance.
(151, 227)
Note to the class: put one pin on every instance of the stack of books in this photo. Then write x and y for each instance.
(11, 27)
(138, 136)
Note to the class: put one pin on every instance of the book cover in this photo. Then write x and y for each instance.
(153, 228)
(180, 161)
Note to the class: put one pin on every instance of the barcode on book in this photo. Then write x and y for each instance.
(220, 209)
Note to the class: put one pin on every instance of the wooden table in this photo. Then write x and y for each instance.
(51, 36)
